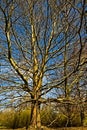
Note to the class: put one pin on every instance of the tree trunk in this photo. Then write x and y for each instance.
(68, 123)
(82, 116)
(35, 115)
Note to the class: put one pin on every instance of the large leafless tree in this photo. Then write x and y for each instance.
(41, 47)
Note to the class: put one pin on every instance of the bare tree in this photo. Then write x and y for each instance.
(37, 42)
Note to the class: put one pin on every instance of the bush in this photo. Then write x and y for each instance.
(7, 118)
(12, 119)
(85, 120)
(24, 118)
(76, 121)
(49, 117)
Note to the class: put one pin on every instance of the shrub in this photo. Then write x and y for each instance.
(24, 118)
(12, 119)
(85, 120)
(47, 116)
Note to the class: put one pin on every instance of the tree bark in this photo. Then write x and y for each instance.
(35, 115)
(82, 116)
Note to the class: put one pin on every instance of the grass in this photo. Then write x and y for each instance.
(69, 128)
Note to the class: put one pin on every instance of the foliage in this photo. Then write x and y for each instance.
(15, 119)
(85, 120)
(49, 117)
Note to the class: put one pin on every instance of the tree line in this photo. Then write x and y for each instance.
(51, 117)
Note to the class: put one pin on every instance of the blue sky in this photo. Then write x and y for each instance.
(24, 40)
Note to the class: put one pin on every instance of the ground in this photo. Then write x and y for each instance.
(71, 128)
